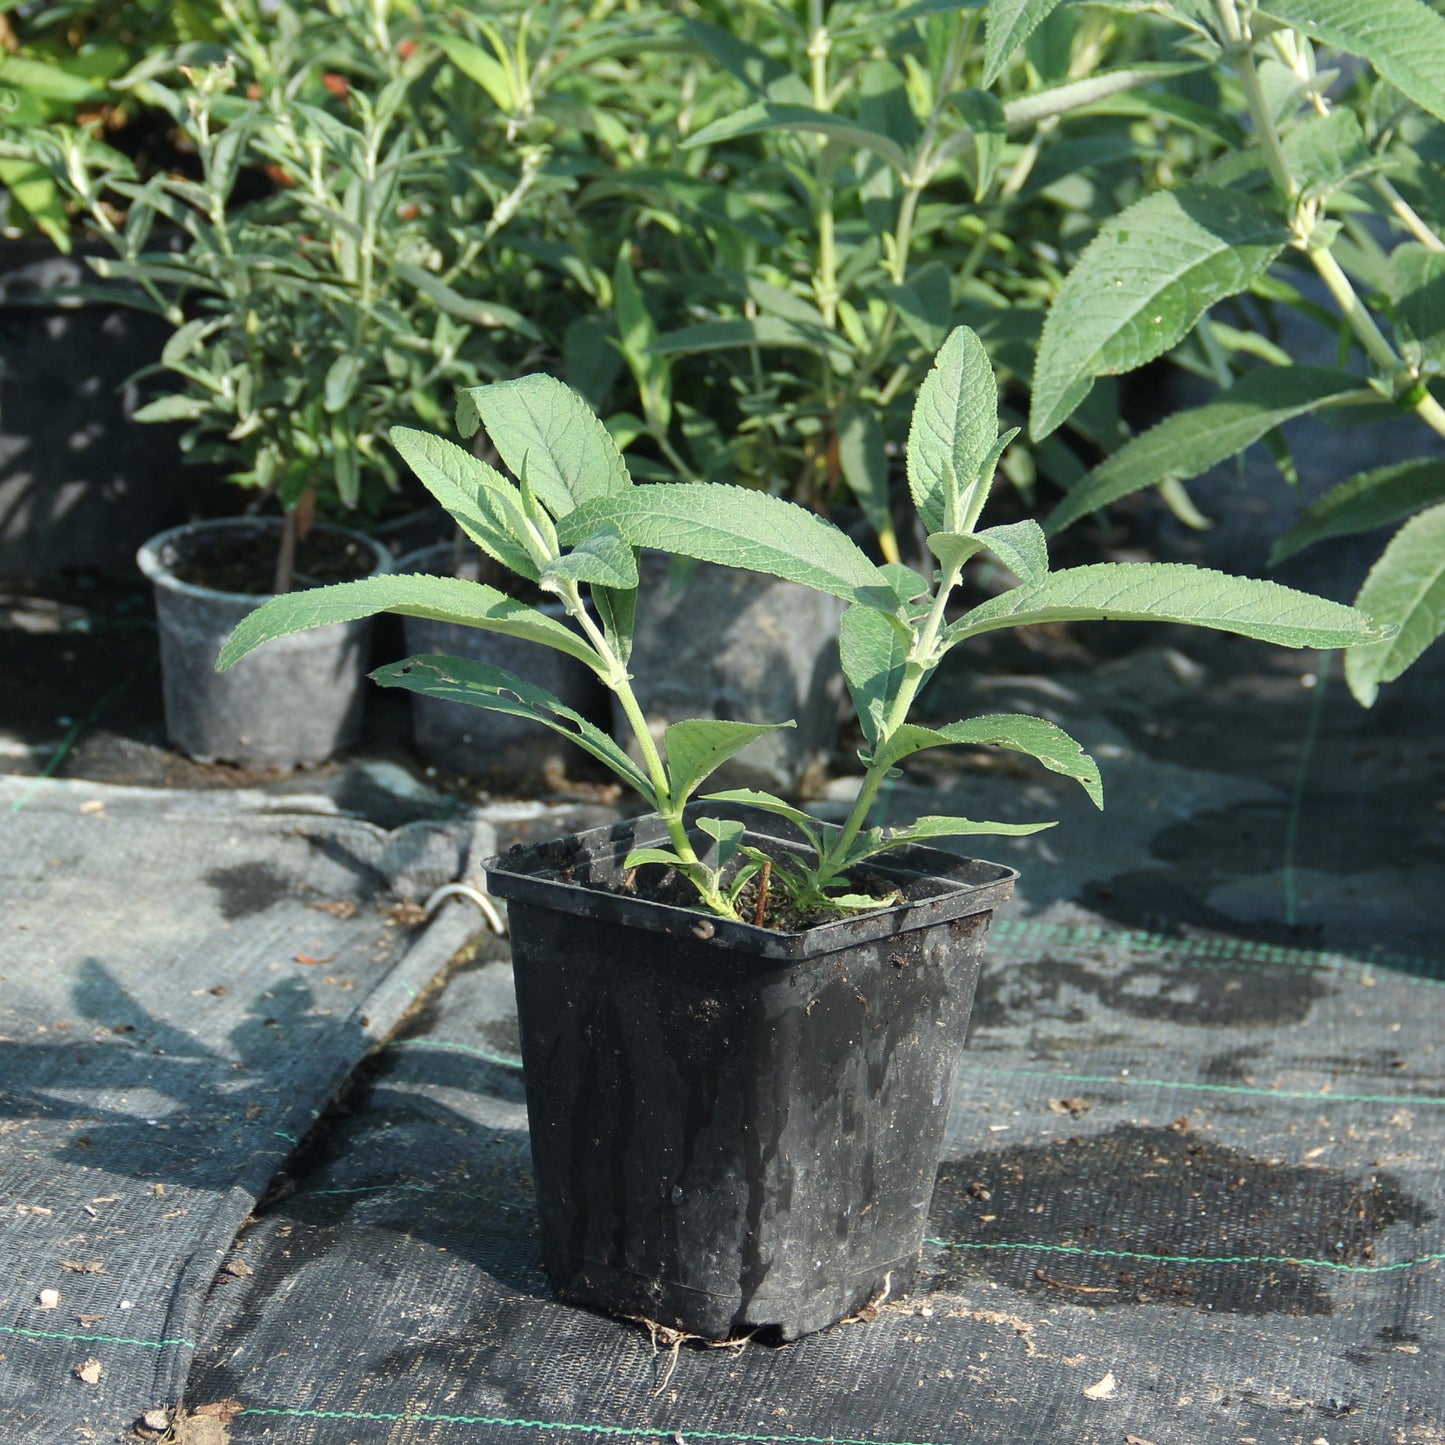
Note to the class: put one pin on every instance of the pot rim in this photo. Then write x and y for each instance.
(533, 875)
(150, 557)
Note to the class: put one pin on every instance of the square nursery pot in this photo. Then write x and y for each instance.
(492, 746)
(736, 1129)
(291, 704)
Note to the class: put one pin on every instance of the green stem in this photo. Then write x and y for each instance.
(1238, 43)
(921, 660)
(1407, 215)
(1354, 311)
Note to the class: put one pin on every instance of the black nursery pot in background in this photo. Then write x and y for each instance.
(733, 1128)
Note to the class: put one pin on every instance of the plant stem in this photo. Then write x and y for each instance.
(1407, 215)
(1354, 310)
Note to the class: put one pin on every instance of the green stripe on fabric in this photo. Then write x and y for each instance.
(576, 1427)
(1016, 933)
(95, 1339)
(1024, 1247)
(503, 1060)
(1252, 1090)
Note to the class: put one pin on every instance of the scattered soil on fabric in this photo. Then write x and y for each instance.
(1164, 988)
(246, 563)
(1136, 1199)
(248, 888)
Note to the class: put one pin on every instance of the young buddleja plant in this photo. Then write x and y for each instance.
(573, 522)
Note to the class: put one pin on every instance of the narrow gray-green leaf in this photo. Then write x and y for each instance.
(873, 655)
(443, 599)
(478, 497)
(1021, 547)
(953, 549)
(767, 803)
(1417, 300)
(1174, 592)
(1188, 443)
(536, 419)
(490, 314)
(602, 560)
(697, 747)
(342, 377)
(767, 331)
(1009, 23)
(1403, 39)
(1371, 499)
(1092, 90)
(1406, 588)
(954, 426)
(640, 856)
(735, 527)
(458, 679)
(1036, 736)
(173, 408)
(1140, 286)
(765, 116)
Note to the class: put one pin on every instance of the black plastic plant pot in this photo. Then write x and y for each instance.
(736, 1129)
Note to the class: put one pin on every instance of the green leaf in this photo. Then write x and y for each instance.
(1417, 299)
(1188, 443)
(697, 747)
(636, 334)
(458, 679)
(953, 549)
(479, 498)
(342, 377)
(1093, 91)
(602, 560)
(925, 303)
(173, 408)
(864, 460)
(640, 856)
(1140, 286)
(954, 427)
(1173, 592)
(1403, 39)
(765, 331)
(490, 314)
(1326, 152)
(921, 830)
(1406, 588)
(765, 116)
(767, 803)
(1036, 736)
(987, 123)
(1021, 547)
(540, 422)
(1370, 499)
(1009, 23)
(49, 82)
(443, 599)
(729, 835)
(874, 655)
(735, 527)
(478, 65)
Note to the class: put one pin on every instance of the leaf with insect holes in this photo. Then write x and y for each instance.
(1173, 592)
(481, 501)
(697, 747)
(953, 430)
(442, 599)
(1405, 588)
(1141, 284)
(457, 679)
(1040, 739)
(735, 527)
(540, 422)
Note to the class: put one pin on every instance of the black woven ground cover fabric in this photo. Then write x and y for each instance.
(185, 981)
(1193, 1193)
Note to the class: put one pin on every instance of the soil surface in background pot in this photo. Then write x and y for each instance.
(246, 563)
